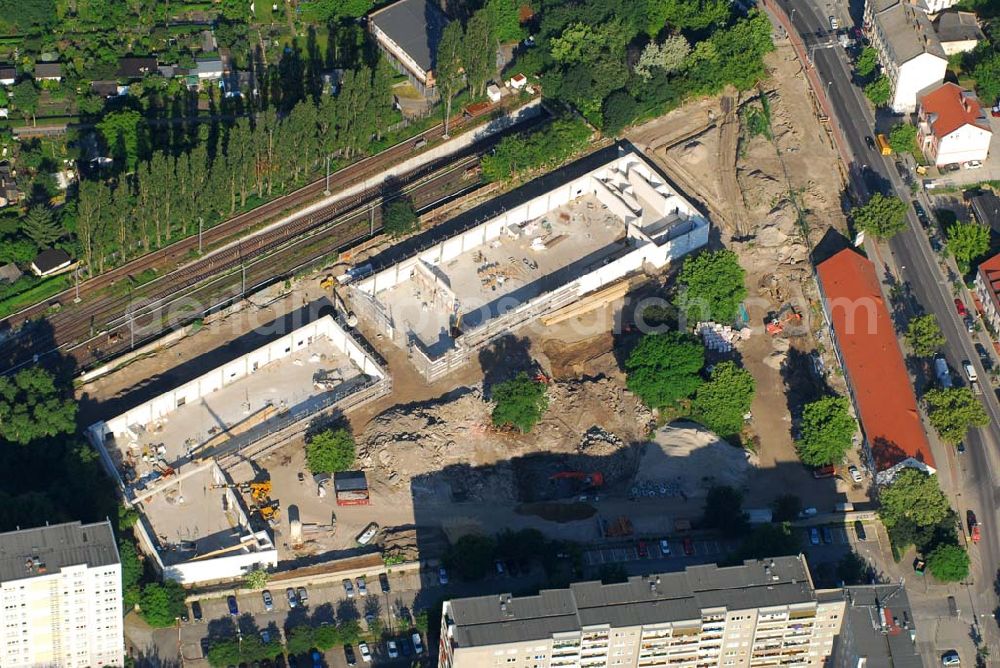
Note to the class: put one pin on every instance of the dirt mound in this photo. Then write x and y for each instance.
(448, 449)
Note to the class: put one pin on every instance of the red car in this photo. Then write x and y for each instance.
(641, 547)
(688, 546)
(960, 307)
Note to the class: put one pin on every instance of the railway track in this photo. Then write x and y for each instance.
(180, 251)
(187, 293)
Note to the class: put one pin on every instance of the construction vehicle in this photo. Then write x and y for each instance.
(973, 523)
(326, 282)
(616, 528)
(883, 145)
(571, 483)
(786, 315)
(270, 511)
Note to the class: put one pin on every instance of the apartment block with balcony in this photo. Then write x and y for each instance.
(908, 49)
(61, 597)
(762, 613)
(408, 33)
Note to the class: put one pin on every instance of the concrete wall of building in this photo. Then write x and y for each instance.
(245, 365)
(964, 144)
(990, 311)
(913, 76)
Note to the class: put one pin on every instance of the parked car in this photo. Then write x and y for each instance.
(665, 547)
(362, 587)
(442, 576)
(855, 473)
(404, 647)
(827, 535)
(234, 609)
(368, 534)
(870, 142)
(268, 601)
(317, 658)
(951, 658)
(383, 580)
(814, 536)
(970, 371)
(970, 324)
(303, 595)
(392, 650)
(960, 447)
(688, 545)
(641, 548)
(196, 611)
(859, 530)
(348, 588)
(960, 307)
(418, 646)
(290, 595)
(498, 566)
(265, 636)
(366, 654)
(512, 568)
(984, 356)
(349, 656)
(834, 23)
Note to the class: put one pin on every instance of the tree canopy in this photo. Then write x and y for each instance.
(879, 91)
(162, 603)
(546, 146)
(881, 216)
(903, 138)
(987, 76)
(867, 61)
(448, 68)
(770, 540)
(32, 407)
(665, 368)
(915, 496)
(471, 556)
(330, 450)
(721, 403)
(967, 242)
(519, 403)
(711, 287)
(924, 335)
(952, 411)
(400, 218)
(724, 511)
(827, 431)
(948, 563)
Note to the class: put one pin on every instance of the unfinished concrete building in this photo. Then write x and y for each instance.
(608, 216)
(170, 455)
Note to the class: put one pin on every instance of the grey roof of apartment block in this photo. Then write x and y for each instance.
(56, 547)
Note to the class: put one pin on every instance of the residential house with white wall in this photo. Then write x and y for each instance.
(952, 127)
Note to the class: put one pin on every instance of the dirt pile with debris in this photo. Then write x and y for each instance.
(449, 449)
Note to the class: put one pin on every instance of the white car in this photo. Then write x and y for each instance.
(442, 576)
(366, 654)
(950, 658)
(665, 547)
(392, 650)
(362, 587)
(418, 646)
(855, 473)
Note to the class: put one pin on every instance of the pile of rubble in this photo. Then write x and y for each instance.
(450, 444)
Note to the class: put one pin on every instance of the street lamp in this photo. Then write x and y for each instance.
(76, 275)
(326, 191)
(201, 226)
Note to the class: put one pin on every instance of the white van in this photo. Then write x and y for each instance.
(970, 372)
(366, 536)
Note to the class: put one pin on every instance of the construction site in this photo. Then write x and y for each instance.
(185, 450)
(594, 222)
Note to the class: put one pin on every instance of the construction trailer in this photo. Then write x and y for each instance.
(351, 488)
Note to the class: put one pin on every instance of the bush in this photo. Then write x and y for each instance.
(548, 146)
(162, 604)
(721, 403)
(330, 451)
(519, 403)
(724, 511)
(399, 217)
(471, 556)
(948, 563)
(827, 431)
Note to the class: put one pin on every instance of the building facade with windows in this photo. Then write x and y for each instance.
(762, 613)
(908, 50)
(61, 597)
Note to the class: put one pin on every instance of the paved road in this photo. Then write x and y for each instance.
(918, 266)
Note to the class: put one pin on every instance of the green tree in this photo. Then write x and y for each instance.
(400, 218)
(132, 571)
(41, 226)
(952, 411)
(724, 511)
(326, 637)
(852, 569)
(330, 450)
(924, 335)
(721, 403)
(255, 579)
(120, 131)
(915, 496)
(691, 15)
(711, 287)
(987, 76)
(827, 431)
(786, 508)
(25, 99)
(519, 403)
(479, 49)
(967, 241)
(903, 138)
(544, 147)
(299, 639)
(948, 563)
(127, 517)
(226, 653)
(161, 604)
(667, 56)
(421, 621)
(879, 91)
(471, 556)
(505, 19)
(33, 407)
(883, 217)
(867, 61)
(665, 368)
(448, 67)
(769, 540)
